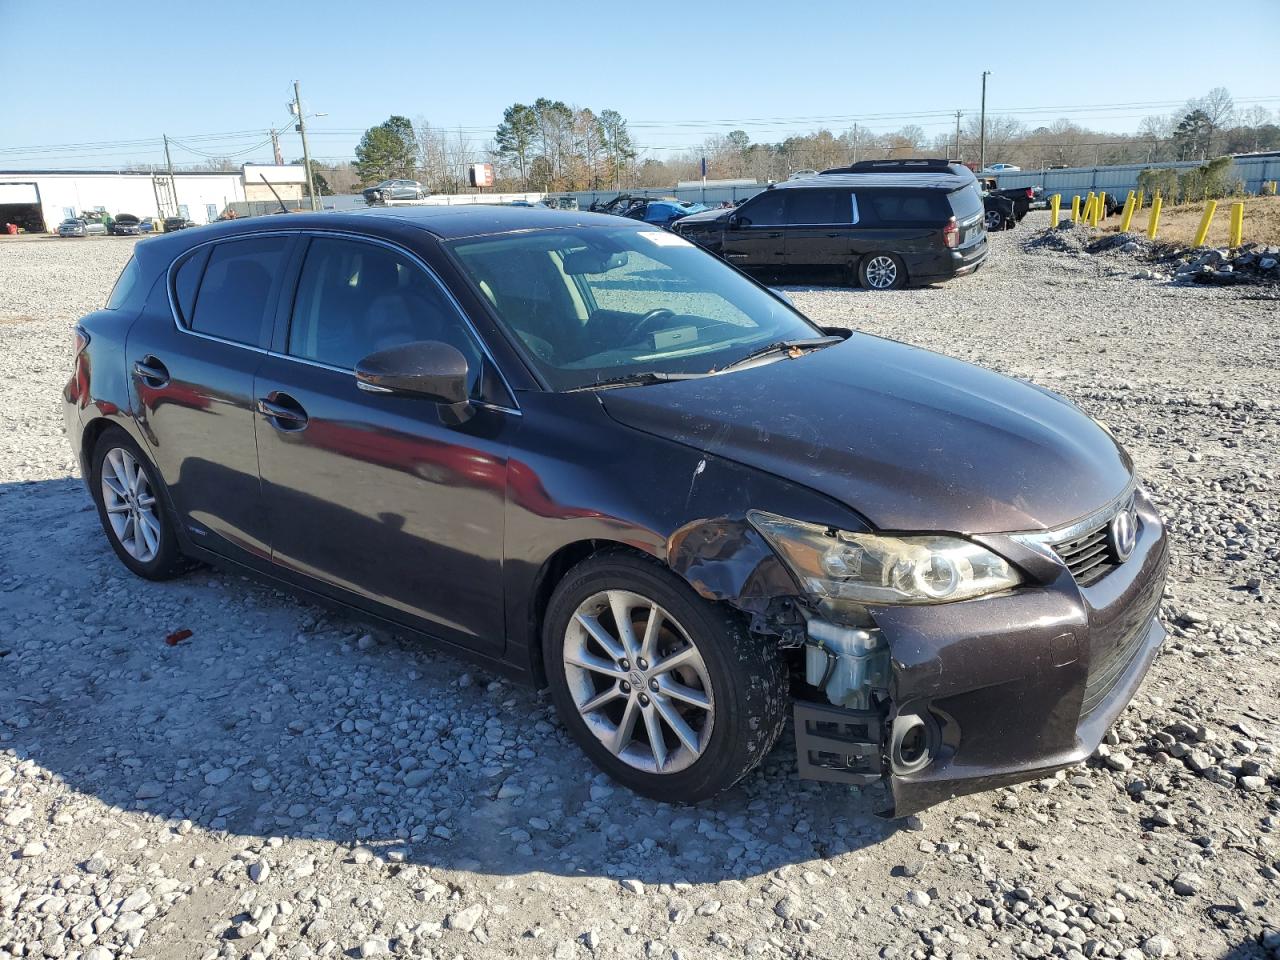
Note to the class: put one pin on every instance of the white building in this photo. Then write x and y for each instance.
(38, 200)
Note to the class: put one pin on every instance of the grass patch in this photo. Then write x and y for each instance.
(1178, 223)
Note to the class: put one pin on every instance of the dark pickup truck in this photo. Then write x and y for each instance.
(1005, 208)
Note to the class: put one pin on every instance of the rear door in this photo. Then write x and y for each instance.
(754, 235)
(192, 368)
(379, 498)
(817, 231)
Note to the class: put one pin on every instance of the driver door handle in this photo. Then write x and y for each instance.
(282, 411)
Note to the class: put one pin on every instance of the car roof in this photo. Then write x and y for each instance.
(921, 180)
(443, 222)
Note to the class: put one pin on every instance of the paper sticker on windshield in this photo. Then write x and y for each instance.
(664, 239)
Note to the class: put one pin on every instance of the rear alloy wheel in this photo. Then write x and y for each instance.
(882, 271)
(668, 693)
(995, 220)
(131, 508)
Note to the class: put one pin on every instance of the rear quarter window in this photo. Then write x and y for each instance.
(186, 283)
(905, 207)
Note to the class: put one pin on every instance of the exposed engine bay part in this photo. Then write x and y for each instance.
(846, 663)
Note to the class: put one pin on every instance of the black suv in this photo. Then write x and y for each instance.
(885, 226)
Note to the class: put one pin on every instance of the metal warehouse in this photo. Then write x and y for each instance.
(38, 200)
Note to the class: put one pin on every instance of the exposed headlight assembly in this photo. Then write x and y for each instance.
(873, 568)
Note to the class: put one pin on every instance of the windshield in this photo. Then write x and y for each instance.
(592, 304)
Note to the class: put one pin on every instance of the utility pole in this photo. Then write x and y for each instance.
(275, 147)
(306, 152)
(982, 125)
(958, 115)
(855, 143)
(173, 184)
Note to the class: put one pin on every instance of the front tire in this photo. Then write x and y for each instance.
(127, 492)
(668, 693)
(882, 271)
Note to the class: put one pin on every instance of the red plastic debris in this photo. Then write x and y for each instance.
(177, 637)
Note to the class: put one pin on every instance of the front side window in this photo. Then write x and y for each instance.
(236, 290)
(590, 304)
(357, 298)
(764, 210)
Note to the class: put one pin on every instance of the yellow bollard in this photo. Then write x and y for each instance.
(1237, 225)
(1097, 210)
(1086, 215)
(1203, 230)
(1129, 207)
(1141, 198)
(1100, 211)
(1075, 209)
(1153, 222)
(1055, 207)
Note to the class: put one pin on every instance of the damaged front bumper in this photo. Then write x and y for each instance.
(988, 692)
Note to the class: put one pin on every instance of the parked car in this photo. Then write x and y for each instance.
(1001, 168)
(587, 453)
(663, 213)
(801, 174)
(80, 227)
(394, 190)
(178, 223)
(1006, 207)
(881, 230)
(125, 225)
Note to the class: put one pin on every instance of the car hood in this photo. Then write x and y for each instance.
(706, 216)
(911, 440)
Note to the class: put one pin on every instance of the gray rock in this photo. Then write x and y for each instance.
(465, 920)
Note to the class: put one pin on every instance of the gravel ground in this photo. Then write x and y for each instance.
(284, 783)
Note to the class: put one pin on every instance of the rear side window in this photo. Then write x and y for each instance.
(125, 285)
(236, 289)
(818, 207)
(966, 202)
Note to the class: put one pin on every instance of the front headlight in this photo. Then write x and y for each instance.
(873, 568)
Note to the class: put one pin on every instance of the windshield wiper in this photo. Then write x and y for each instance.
(779, 346)
(636, 380)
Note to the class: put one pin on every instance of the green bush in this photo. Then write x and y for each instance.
(1209, 181)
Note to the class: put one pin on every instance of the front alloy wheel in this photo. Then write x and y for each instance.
(668, 693)
(639, 682)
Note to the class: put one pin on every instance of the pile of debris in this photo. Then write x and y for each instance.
(1250, 263)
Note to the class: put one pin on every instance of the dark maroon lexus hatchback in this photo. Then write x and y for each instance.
(585, 451)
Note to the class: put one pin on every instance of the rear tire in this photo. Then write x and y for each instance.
(882, 271)
(710, 693)
(131, 499)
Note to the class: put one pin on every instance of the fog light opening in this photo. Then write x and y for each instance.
(912, 744)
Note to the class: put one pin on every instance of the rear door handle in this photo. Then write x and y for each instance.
(151, 371)
(282, 411)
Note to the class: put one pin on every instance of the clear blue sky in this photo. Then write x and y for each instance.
(678, 71)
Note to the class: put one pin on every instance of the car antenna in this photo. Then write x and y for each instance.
(283, 208)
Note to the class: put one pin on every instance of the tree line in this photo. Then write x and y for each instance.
(549, 146)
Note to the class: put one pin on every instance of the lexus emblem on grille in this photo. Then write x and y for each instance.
(1124, 533)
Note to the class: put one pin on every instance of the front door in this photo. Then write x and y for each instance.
(379, 498)
(193, 376)
(753, 238)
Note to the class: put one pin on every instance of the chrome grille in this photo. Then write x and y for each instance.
(1089, 556)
